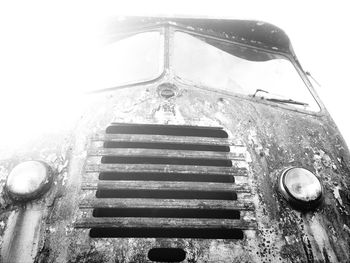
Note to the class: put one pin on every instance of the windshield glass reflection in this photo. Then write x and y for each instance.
(239, 69)
(132, 59)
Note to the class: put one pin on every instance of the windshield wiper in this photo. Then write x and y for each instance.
(259, 90)
(287, 101)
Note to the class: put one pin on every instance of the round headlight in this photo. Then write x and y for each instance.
(301, 188)
(28, 180)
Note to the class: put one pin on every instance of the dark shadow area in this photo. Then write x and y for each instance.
(202, 233)
(166, 254)
(165, 194)
(166, 213)
(172, 130)
(160, 160)
(115, 176)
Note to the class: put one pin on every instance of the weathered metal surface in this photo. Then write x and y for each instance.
(165, 203)
(275, 138)
(168, 154)
(165, 186)
(159, 168)
(241, 196)
(167, 139)
(134, 222)
(191, 177)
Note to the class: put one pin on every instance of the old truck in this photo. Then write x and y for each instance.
(206, 142)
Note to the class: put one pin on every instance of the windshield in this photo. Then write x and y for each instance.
(244, 70)
(133, 59)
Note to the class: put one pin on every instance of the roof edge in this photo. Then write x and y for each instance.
(251, 32)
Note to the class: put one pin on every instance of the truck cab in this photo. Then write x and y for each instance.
(205, 142)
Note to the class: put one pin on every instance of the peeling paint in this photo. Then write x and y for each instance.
(337, 196)
(322, 240)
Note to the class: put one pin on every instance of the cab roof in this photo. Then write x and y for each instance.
(251, 32)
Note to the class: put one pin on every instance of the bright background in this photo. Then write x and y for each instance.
(45, 47)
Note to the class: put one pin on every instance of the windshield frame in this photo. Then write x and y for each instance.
(258, 99)
(168, 74)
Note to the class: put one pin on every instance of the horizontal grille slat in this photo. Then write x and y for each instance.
(134, 222)
(135, 195)
(167, 213)
(178, 130)
(164, 186)
(166, 161)
(144, 176)
(169, 194)
(160, 232)
(166, 139)
(162, 177)
(166, 146)
(161, 168)
(161, 203)
(167, 154)
(168, 126)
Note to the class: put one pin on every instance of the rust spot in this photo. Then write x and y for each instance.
(91, 256)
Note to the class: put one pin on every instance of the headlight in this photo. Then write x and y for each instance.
(28, 180)
(301, 188)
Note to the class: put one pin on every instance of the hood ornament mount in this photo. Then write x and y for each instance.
(167, 90)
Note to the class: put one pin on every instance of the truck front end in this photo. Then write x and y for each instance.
(205, 143)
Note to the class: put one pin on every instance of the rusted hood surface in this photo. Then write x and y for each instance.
(273, 138)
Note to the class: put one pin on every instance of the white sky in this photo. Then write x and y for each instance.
(43, 47)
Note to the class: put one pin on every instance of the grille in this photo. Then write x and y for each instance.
(165, 181)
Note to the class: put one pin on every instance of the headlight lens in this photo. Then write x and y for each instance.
(28, 180)
(301, 187)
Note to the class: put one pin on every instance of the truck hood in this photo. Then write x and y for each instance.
(273, 139)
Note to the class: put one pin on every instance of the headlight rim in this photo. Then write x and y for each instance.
(295, 202)
(39, 192)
